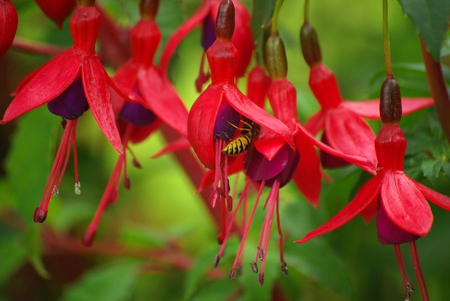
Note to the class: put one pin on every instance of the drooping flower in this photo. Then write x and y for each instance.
(57, 10)
(284, 164)
(403, 214)
(206, 16)
(343, 126)
(69, 84)
(153, 101)
(216, 114)
(8, 24)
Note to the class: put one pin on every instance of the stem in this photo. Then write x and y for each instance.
(386, 42)
(306, 12)
(438, 89)
(276, 12)
(36, 47)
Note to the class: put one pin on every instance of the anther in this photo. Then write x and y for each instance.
(40, 215)
(216, 261)
(233, 274)
(77, 188)
(261, 279)
(260, 254)
(254, 267)
(284, 268)
(55, 191)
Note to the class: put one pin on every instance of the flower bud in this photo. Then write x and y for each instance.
(390, 101)
(310, 45)
(85, 2)
(148, 9)
(225, 20)
(8, 24)
(56, 10)
(275, 57)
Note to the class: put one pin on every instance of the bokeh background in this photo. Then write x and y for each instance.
(158, 241)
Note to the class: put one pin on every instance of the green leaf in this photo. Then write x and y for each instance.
(317, 261)
(108, 283)
(446, 169)
(431, 169)
(261, 14)
(430, 18)
(12, 254)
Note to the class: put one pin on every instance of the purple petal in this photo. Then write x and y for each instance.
(70, 104)
(137, 114)
(208, 32)
(225, 117)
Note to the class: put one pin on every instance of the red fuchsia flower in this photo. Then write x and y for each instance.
(341, 121)
(57, 10)
(403, 214)
(69, 84)
(153, 101)
(285, 161)
(206, 16)
(217, 112)
(8, 24)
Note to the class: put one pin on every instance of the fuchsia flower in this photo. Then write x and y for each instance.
(8, 24)
(153, 101)
(341, 121)
(206, 16)
(56, 10)
(284, 163)
(216, 113)
(69, 84)
(403, 212)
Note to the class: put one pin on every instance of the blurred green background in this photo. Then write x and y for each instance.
(158, 242)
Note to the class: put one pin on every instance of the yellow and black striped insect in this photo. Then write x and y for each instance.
(241, 144)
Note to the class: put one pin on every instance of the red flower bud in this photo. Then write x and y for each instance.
(56, 10)
(8, 24)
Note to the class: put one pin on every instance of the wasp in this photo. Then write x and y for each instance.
(249, 131)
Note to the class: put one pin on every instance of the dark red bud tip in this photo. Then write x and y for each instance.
(275, 57)
(127, 183)
(310, 45)
(220, 238)
(148, 9)
(85, 2)
(136, 163)
(40, 215)
(261, 279)
(225, 20)
(88, 237)
(390, 101)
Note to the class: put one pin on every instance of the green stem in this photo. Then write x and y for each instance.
(386, 41)
(276, 12)
(438, 89)
(306, 12)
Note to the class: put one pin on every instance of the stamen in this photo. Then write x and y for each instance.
(284, 267)
(254, 267)
(419, 273)
(407, 286)
(216, 261)
(109, 196)
(233, 274)
(57, 171)
(261, 279)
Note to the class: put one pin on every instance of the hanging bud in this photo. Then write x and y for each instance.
(310, 45)
(148, 9)
(8, 25)
(57, 10)
(275, 57)
(225, 20)
(390, 101)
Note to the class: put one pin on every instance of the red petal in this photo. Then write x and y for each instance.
(361, 162)
(371, 108)
(174, 146)
(97, 93)
(246, 107)
(201, 123)
(433, 196)
(405, 205)
(366, 194)
(161, 97)
(181, 32)
(315, 123)
(51, 80)
(268, 143)
(308, 177)
(350, 134)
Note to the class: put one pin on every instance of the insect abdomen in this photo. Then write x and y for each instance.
(237, 146)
